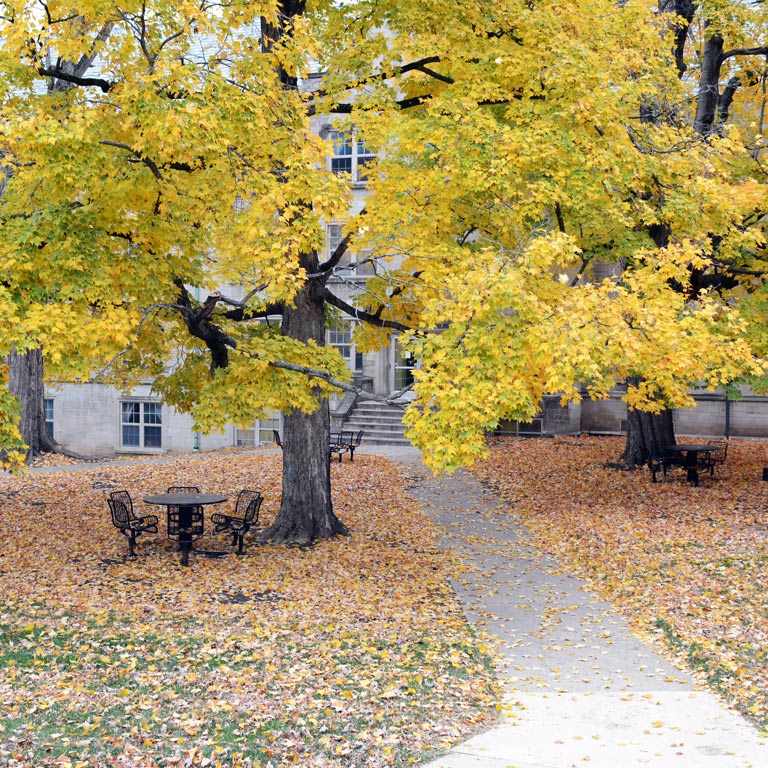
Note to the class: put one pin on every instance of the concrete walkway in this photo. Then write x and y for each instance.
(581, 690)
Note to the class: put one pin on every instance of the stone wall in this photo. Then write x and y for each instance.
(713, 415)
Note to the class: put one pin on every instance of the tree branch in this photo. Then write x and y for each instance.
(339, 251)
(361, 314)
(758, 51)
(317, 373)
(151, 164)
(59, 74)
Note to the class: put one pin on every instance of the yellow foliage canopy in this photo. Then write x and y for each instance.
(515, 155)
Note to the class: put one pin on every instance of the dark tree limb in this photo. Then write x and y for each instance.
(59, 74)
(684, 10)
(758, 51)
(361, 314)
(199, 325)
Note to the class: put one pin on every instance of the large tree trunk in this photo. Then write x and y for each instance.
(647, 436)
(306, 510)
(708, 96)
(649, 433)
(26, 383)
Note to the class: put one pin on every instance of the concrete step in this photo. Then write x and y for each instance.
(355, 422)
(386, 441)
(371, 433)
(382, 424)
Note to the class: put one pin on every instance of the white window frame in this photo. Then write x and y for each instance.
(349, 155)
(150, 418)
(343, 340)
(49, 412)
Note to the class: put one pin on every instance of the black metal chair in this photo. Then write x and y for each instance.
(244, 517)
(716, 456)
(127, 522)
(345, 442)
(662, 462)
(355, 444)
(197, 523)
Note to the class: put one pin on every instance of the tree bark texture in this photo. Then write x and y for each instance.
(708, 96)
(647, 436)
(306, 509)
(26, 383)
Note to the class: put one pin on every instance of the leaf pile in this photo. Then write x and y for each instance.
(351, 653)
(685, 565)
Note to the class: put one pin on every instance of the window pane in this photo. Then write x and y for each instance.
(340, 335)
(152, 413)
(341, 165)
(245, 437)
(266, 436)
(342, 143)
(131, 413)
(271, 421)
(362, 162)
(152, 437)
(48, 408)
(334, 237)
(130, 435)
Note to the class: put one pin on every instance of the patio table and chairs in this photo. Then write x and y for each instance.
(185, 519)
(691, 457)
(185, 515)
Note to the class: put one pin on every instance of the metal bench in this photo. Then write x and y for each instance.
(345, 442)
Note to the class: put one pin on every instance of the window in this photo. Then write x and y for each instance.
(245, 438)
(48, 409)
(270, 422)
(260, 433)
(350, 155)
(335, 236)
(360, 259)
(141, 424)
(340, 337)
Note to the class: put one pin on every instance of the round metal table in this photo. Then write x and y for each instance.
(186, 502)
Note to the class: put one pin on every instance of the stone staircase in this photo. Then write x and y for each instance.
(383, 424)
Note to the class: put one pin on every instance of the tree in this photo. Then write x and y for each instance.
(716, 77)
(25, 381)
(26, 369)
(510, 159)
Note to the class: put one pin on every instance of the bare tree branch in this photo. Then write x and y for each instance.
(59, 74)
(361, 314)
(758, 51)
(345, 386)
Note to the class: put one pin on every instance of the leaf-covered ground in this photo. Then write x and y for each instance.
(350, 653)
(685, 565)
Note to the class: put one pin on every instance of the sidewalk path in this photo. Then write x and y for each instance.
(581, 690)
